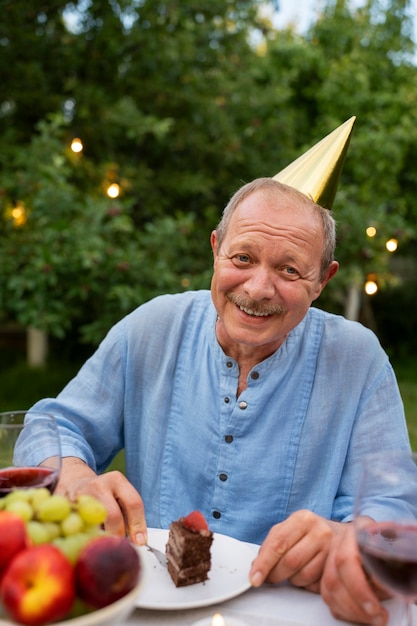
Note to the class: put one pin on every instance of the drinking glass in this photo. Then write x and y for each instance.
(30, 451)
(388, 548)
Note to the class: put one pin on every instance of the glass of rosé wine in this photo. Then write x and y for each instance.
(386, 523)
(30, 451)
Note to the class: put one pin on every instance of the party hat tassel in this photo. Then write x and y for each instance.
(317, 172)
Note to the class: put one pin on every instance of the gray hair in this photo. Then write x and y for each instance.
(280, 190)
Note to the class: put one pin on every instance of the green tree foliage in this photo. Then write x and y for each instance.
(69, 254)
(180, 103)
(146, 89)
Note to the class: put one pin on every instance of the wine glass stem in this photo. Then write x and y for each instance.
(409, 609)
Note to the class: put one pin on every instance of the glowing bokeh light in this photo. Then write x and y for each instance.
(113, 191)
(18, 214)
(371, 231)
(391, 245)
(76, 145)
(371, 287)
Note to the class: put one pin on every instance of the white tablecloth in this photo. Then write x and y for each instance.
(266, 606)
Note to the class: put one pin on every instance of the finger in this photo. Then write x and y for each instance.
(133, 510)
(280, 539)
(299, 563)
(115, 522)
(309, 576)
(126, 514)
(344, 606)
(346, 589)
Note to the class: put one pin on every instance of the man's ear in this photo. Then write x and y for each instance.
(330, 272)
(213, 242)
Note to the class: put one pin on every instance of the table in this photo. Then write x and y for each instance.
(269, 605)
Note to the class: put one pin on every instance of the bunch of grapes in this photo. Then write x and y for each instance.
(55, 519)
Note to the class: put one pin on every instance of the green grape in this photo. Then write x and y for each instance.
(63, 544)
(38, 532)
(71, 546)
(72, 524)
(21, 508)
(53, 509)
(30, 492)
(53, 528)
(39, 495)
(19, 495)
(91, 510)
(94, 530)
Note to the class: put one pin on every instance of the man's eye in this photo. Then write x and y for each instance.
(242, 258)
(291, 271)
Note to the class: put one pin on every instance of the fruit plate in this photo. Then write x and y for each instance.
(108, 616)
(229, 575)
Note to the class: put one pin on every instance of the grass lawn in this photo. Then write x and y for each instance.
(20, 387)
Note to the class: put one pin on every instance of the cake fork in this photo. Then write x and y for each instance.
(161, 556)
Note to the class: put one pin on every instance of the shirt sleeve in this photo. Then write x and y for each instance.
(89, 410)
(379, 425)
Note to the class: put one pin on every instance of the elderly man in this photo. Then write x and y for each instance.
(244, 402)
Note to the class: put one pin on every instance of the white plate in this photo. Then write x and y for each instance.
(229, 575)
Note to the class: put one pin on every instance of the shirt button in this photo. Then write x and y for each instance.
(228, 438)
(229, 364)
(217, 514)
(223, 477)
(243, 405)
(227, 400)
(254, 375)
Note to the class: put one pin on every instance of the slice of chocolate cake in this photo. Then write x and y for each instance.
(188, 550)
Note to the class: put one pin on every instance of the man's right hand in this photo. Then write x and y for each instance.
(125, 510)
(345, 587)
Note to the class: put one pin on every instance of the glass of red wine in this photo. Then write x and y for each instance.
(386, 523)
(30, 451)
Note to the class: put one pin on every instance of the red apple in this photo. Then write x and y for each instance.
(107, 569)
(13, 538)
(38, 586)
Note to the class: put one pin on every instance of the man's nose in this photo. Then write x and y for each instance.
(260, 284)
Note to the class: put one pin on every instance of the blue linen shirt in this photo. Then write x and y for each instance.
(160, 386)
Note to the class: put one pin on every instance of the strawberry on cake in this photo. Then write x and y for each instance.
(188, 549)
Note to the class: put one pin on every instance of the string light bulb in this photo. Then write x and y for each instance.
(391, 245)
(18, 214)
(371, 231)
(371, 287)
(77, 145)
(113, 190)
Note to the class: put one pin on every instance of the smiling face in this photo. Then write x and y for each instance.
(267, 272)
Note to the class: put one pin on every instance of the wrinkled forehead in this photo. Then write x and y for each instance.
(273, 207)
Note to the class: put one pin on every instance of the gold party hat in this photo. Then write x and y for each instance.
(316, 173)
